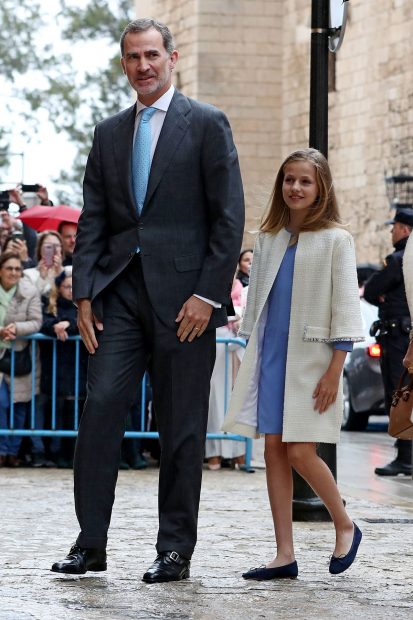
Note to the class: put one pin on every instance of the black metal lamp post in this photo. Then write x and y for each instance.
(399, 189)
(328, 20)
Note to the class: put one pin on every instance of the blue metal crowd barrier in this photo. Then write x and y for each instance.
(54, 432)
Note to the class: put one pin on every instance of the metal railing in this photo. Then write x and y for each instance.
(142, 433)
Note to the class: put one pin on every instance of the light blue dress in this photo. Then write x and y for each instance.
(274, 349)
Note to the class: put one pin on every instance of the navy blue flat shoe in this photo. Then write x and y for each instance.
(339, 565)
(289, 571)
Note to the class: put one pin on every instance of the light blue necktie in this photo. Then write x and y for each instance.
(141, 158)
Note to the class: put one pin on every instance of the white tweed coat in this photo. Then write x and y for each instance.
(408, 273)
(325, 308)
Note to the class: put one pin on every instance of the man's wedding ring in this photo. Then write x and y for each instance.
(410, 369)
(196, 329)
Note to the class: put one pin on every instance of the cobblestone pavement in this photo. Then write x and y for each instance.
(235, 533)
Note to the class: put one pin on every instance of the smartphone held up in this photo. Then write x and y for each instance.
(48, 252)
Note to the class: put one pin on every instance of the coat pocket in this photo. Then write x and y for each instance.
(316, 334)
(188, 262)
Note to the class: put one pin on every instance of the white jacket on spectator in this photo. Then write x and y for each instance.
(26, 312)
(408, 273)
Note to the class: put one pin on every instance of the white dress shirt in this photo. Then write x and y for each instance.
(156, 123)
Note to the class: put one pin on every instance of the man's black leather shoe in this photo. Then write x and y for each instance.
(80, 560)
(394, 469)
(168, 566)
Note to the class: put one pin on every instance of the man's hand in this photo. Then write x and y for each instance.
(408, 360)
(193, 318)
(43, 195)
(86, 322)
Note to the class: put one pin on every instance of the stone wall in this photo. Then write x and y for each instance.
(252, 59)
(370, 113)
(230, 54)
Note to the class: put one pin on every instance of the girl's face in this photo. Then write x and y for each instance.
(245, 262)
(65, 289)
(300, 188)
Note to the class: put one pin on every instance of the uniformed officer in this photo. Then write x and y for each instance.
(385, 289)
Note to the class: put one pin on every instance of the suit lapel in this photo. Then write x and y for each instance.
(122, 145)
(173, 130)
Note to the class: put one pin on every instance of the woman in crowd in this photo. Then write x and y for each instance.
(244, 266)
(302, 315)
(49, 253)
(408, 283)
(20, 315)
(59, 321)
(216, 450)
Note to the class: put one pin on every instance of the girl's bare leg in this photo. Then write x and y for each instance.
(304, 459)
(280, 492)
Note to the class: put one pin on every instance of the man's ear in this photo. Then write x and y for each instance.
(173, 60)
(122, 64)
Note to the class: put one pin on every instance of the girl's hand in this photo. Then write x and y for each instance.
(325, 393)
(57, 265)
(60, 330)
(43, 269)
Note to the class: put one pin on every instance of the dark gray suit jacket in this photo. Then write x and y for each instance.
(191, 226)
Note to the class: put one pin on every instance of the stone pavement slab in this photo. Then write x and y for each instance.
(235, 532)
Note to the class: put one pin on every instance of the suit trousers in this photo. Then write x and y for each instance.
(133, 340)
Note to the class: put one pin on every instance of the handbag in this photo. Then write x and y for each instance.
(22, 362)
(400, 422)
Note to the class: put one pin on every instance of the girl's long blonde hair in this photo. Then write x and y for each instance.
(54, 292)
(323, 214)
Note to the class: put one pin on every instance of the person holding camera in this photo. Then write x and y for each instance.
(10, 224)
(17, 243)
(40, 191)
(49, 253)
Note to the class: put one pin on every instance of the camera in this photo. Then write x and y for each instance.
(30, 188)
(17, 235)
(4, 200)
(48, 251)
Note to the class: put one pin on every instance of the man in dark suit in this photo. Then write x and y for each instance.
(151, 282)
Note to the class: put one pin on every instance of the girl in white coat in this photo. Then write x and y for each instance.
(302, 315)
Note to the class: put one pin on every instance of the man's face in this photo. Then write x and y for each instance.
(68, 234)
(147, 64)
(399, 231)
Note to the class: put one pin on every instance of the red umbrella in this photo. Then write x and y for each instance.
(48, 218)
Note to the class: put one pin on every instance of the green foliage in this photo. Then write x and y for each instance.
(75, 99)
(20, 21)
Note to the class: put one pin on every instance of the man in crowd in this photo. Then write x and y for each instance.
(156, 250)
(385, 289)
(68, 232)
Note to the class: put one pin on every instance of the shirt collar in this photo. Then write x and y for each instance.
(162, 103)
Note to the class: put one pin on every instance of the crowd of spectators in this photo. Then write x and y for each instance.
(36, 296)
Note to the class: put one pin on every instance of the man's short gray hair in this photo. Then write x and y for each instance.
(146, 23)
